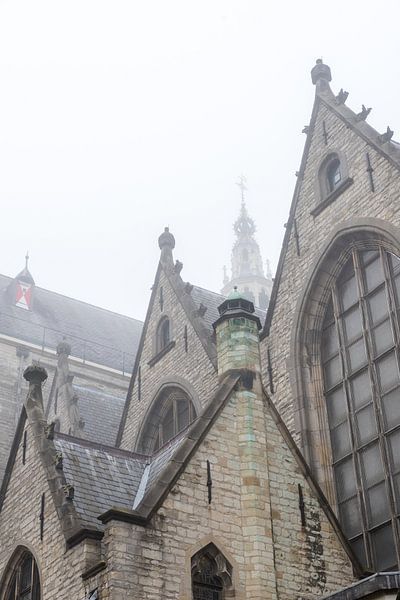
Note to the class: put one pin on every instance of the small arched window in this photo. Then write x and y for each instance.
(360, 361)
(24, 584)
(331, 181)
(333, 174)
(172, 412)
(211, 575)
(163, 334)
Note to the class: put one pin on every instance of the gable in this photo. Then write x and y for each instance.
(370, 196)
(188, 361)
(251, 504)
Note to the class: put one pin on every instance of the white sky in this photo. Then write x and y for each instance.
(120, 117)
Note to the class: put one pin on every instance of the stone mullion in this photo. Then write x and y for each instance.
(395, 330)
(351, 417)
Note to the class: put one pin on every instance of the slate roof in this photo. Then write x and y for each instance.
(101, 412)
(212, 300)
(95, 334)
(102, 477)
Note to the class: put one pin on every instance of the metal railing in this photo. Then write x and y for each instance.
(49, 338)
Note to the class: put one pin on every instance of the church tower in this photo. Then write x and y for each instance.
(247, 266)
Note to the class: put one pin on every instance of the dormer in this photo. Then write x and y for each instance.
(23, 288)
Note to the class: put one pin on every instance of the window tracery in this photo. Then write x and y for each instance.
(25, 584)
(172, 412)
(360, 361)
(211, 575)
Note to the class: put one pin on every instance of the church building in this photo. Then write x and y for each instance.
(257, 454)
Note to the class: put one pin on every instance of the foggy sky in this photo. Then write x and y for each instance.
(118, 118)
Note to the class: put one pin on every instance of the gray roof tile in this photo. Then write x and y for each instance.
(102, 477)
(95, 334)
(101, 412)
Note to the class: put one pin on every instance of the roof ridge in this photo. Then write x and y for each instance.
(78, 300)
(98, 446)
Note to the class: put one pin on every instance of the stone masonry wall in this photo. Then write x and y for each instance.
(193, 366)
(355, 202)
(60, 572)
(13, 387)
(154, 562)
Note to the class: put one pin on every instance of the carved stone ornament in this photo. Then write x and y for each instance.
(178, 266)
(342, 96)
(49, 430)
(387, 136)
(361, 116)
(69, 491)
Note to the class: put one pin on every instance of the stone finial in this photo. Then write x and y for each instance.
(35, 374)
(361, 116)
(58, 460)
(49, 430)
(387, 136)
(63, 348)
(166, 240)
(178, 266)
(342, 96)
(305, 129)
(188, 287)
(69, 491)
(320, 73)
(201, 311)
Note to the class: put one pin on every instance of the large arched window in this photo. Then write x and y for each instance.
(172, 411)
(211, 575)
(360, 360)
(24, 583)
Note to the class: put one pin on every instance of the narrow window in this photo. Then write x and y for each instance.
(333, 174)
(163, 334)
(360, 359)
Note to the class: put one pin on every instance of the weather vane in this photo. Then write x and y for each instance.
(242, 185)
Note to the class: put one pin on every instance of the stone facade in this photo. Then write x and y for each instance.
(225, 503)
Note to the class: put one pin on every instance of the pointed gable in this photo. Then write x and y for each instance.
(186, 360)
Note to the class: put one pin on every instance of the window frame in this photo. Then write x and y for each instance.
(357, 446)
(323, 193)
(13, 589)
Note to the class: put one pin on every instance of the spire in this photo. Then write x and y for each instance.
(21, 288)
(25, 275)
(247, 265)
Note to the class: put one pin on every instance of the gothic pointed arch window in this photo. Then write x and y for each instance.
(163, 334)
(211, 575)
(24, 583)
(333, 174)
(171, 412)
(360, 357)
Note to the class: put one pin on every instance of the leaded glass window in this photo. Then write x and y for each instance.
(205, 584)
(333, 174)
(25, 583)
(211, 575)
(172, 412)
(360, 358)
(163, 335)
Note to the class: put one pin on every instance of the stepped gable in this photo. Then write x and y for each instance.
(101, 413)
(111, 339)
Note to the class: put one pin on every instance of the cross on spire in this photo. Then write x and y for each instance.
(242, 185)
